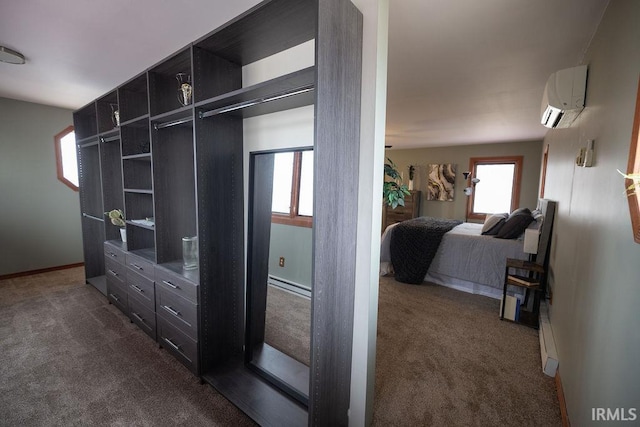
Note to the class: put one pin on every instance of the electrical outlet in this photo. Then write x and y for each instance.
(281, 262)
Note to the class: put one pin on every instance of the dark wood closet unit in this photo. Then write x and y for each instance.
(177, 171)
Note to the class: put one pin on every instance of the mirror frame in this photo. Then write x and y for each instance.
(277, 367)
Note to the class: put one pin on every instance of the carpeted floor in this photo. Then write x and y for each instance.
(69, 358)
(288, 323)
(444, 358)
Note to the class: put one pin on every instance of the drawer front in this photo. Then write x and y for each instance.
(140, 265)
(143, 317)
(141, 288)
(115, 270)
(116, 254)
(180, 312)
(181, 346)
(117, 294)
(176, 284)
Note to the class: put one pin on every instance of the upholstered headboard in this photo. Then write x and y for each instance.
(548, 208)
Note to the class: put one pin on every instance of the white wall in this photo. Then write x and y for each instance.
(40, 225)
(594, 262)
(372, 129)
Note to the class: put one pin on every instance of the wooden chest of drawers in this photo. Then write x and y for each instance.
(141, 295)
(177, 316)
(161, 299)
(115, 271)
(411, 209)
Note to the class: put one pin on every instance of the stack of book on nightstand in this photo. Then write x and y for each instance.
(523, 280)
(511, 308)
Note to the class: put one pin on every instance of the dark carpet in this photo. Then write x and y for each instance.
(288, 323)
(444, 358)
(69, 358)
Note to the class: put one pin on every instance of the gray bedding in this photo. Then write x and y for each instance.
(466, 260)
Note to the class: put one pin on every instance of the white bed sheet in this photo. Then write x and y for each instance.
(465, 259)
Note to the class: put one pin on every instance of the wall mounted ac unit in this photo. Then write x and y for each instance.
(563, 97)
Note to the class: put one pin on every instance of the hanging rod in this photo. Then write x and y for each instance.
(92, 217)
(157, 126)
(112, 138)
(252, 102)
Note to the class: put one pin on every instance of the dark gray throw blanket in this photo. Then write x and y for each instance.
(414, 244)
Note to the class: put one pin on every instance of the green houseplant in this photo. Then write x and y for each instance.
(394, 190)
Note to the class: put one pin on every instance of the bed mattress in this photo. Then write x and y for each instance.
(465, 260)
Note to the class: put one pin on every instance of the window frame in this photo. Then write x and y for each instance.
(543, 178)
(633, 166)
(292, 218)
(499, 160)
(58, 149)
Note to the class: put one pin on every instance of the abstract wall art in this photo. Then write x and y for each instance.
(441, 182)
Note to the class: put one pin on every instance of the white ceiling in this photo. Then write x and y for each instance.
(460, 71)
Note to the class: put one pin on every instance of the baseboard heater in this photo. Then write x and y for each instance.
(290, 286)
(547, 344)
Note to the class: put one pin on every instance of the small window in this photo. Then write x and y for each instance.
(292, 201)
(498, 188)
(66, 158)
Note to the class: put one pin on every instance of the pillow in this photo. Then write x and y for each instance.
(493, 223)
(538, 220)
(515, 225)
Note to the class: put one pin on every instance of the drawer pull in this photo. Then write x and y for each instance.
(171, 310)
(113, 272)
(137, 267)
(115, 297)
(140, 319)
(112, 255)
(174, 346)
(137, 289)
(171, 285)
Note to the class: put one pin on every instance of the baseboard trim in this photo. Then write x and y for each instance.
(562, 401)
(41, 270)
(548, 353)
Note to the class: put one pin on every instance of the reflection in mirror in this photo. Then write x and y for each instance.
(279, 268)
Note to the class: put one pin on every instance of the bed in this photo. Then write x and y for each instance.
(470, 262)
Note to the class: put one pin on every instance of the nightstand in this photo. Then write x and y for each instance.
(532, 281)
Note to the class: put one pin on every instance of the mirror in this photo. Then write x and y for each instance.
(279, 279)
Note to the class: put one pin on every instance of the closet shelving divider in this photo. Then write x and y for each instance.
(89, 173)
(220, 106)
(110, 163)
(134, 100)
(183, 166)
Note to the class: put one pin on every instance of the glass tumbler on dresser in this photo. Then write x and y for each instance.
(190, 253)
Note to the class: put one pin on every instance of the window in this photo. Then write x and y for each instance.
(499, 187)
(66, 158)
(292, 201)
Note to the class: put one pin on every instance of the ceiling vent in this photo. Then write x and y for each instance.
(563, 97)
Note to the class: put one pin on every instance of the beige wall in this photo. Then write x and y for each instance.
(460, 155)
(595, 262)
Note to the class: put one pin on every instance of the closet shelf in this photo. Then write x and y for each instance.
(282, 93)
